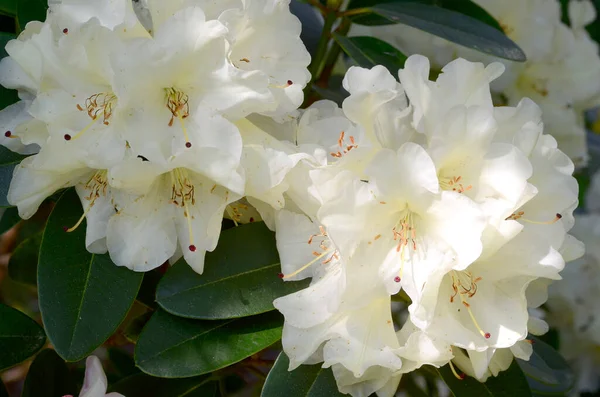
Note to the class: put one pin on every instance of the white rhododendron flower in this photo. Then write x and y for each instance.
(95, 383)
(562, 71)
(573, 309)
(459, 204)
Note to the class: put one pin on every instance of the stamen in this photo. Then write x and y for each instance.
(455, 373)
(182, 195)
(97, 185)
(178, 105)
(454, 184)
(68, 137)
(469, 290)
(309, 264)
(73, 228)
(344, 148)
(519, 216)
(288, 84)
(9, 134)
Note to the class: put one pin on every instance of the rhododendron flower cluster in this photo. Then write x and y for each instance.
(142, 120)
(439, 195)
(166, 115)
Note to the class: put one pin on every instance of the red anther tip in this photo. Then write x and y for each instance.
(397, 279)
(188, 145)
(66, 229)
(280, 275)
(559, 216)
(192, 248)
(65, 30)
(462, 376)
(67, 137)
(290, 82)
(7, 134)
(488, 335)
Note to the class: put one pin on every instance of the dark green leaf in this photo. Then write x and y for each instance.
(240, 278)
(547, 371)
(142, 385)
(122, 362)
(8, 7)
(452, 26)
(172, 346)
(20, 337)
(3, 392)
(22, 265)
(83, 297)
(48, 377)
(304, 381)
(509, 383)
(31, 10)
(370, 51)
(4, 39)
(9, 219)
(466, 7)
(147, 293)
(8, 162)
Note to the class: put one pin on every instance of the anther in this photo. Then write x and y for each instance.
(397, 279)
(188, 145)
(8, 134)
(66, 31)
(280, 275)
(192, 248)
(67, 137)
(290, 82)
(487, 335)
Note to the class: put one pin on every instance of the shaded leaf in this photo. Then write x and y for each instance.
(304, 381)
(509, 383)
(8, 7)
(240, 278)
(22, 265)
(142, 385)
(466, 7)
(452, 26)
(31, 10)
(9, 219)
(83, 297)
(20, 337)
(547, 371)
(122, 362)
(172, 346)
(48, 376)
(370, 51)
(8, 162)
(3, 392)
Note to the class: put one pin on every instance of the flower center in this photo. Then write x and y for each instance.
(325, 248)
(405, 234)
(97, 186)
(183, 195)
(454, 183)
(464, 285)
(178, 104)
(98, 106)
(344, 146)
